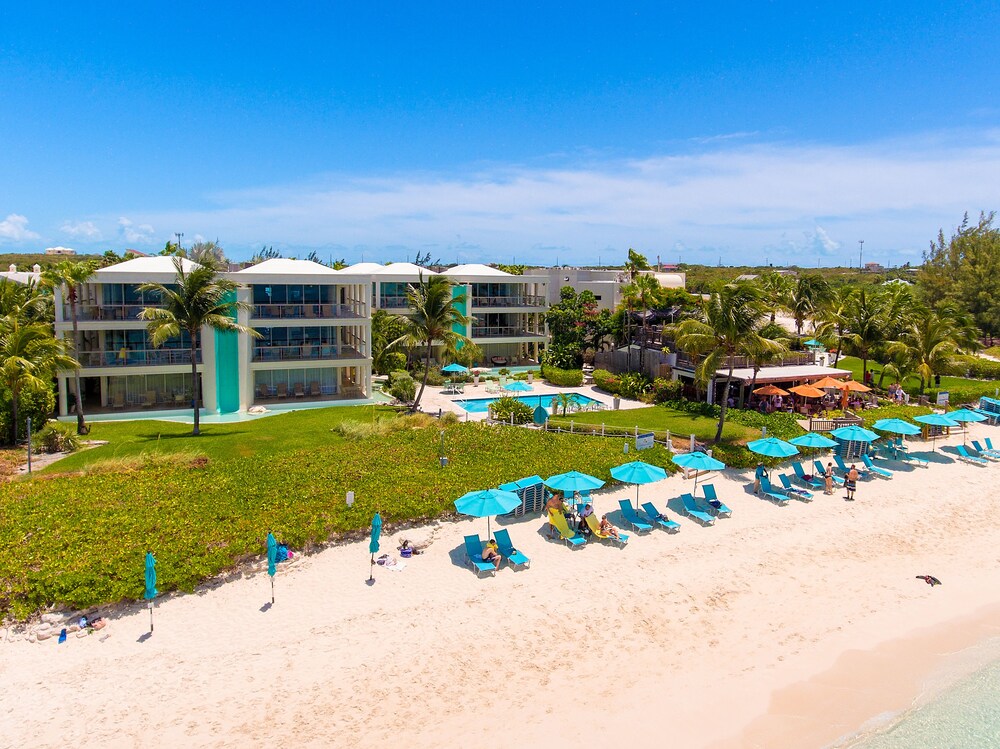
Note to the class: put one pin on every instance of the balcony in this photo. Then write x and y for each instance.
(136, 358)
(393, 302)
(304, 312)
(503, 331)
(523, 300)
(305, 352)
(87, 312)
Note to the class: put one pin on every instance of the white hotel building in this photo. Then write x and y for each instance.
(315, 326)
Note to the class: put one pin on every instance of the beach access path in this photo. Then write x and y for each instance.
(684, 640)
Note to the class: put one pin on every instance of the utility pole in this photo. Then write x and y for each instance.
(861, 255)
(178, 234)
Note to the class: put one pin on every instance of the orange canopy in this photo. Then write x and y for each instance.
(856, 386)
(770, 390)
(829, 382)
(808, 391)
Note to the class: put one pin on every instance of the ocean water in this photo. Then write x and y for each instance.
(964, 716)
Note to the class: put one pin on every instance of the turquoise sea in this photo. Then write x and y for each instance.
(964, 716)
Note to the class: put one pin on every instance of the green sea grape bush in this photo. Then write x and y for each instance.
(606, 381)
(502, 409)
(403, 389)
(563, 377)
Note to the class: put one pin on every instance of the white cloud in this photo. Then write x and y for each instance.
(798, 203)
(85, 230)
(134, 233)
(15, 228)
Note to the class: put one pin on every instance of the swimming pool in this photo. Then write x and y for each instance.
(482, 405)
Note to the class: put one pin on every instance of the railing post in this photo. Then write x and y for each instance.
(571, 426)
(602, 428)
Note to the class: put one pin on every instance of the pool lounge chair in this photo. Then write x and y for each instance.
(964, 454)
(794, 491)
(800, 474)
(659, 518)
(875, 469)
(985, 452)
(595, 527)
(989, 444)
(862, 472)
(771, 493)
(632, 517)
(507, 550)
(558, 521)
(821, 471)
(715, 505)
(692, 510)
(474, 556)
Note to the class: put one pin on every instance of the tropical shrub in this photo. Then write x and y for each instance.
(666, 390)
(782, 425)
(606, 381)
(403, 389)
(563, 377)
(972, 366)
(434, 377)
(502, 409)
(55, 437)
(632, 385)
(391, 361)
(563, 356)
(37, 402)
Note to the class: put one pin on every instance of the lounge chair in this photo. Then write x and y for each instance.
(474, 555)
(558, 521)
(989, 444)
(800, 474)
(692, 510)
(595, 527)
(632, 517)
(862, 472)
(262, 391)
(150, 399)
(282, 390)
(821, 471)
(771, 493)
(794, 491)
(659, 518)
(300, 390)
(314, 391)
(118, 400)
(715, 506)
(875, 469)
(964, 454)
(985, 452)
(507, 550)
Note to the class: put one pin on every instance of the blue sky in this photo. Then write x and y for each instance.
(500, 131)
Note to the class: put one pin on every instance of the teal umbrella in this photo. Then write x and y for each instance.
(854, 433)
(573, 482)
(373, 543)
(699, 462)
(772, 447)
(455, 367)
(486, 504)
(151, 591)
(272, 560)
(813, 342)
(638, 472)
(966, 416)
(896, 426)
(520, 385)
(813, 439)
(936, 420)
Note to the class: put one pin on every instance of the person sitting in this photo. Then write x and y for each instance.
(608, 529)
(582, 526)
(556, 506)
(491, 553)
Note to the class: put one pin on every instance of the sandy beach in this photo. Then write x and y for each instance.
(779, 627)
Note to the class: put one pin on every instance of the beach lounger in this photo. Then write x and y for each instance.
(821, 471)
(800, 474)
(862, 472)
(474, 555)
(794, 491)
(692, 510)
(986, 452)
(714, 503)
(558, 521)
(507, 550)
(989, 444)
(632, 517)
(992, 417)
(964, 454)
(884, 473)
(771, 493)
(659, 518)
(595, 527)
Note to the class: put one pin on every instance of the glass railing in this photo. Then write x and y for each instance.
(303, 312)
(136, 358)
(106, 311)
(501, 331)
(521, 300)
(305, 351)
(393, 302)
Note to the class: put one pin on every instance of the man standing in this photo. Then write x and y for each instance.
(851, 482)
(760, 473)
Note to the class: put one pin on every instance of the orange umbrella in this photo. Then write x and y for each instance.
(808, 391)
(856, 386)
(770, 390)
(829, 382)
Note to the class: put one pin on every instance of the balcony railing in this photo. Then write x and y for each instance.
(106, 311)
(393, 302)
(136, 358)
(503, 331)
(303, 312)
(522, 300)
(307, 351)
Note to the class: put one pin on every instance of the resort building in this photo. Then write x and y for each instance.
(23, 277)
(606, 285)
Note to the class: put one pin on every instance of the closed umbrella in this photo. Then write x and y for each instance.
(699, 462)
(455, 367)
(936, 420)
(272, 560)
(638, 472)
(486, 504)
(964, 415)
(813, 439)
(520, 385)
(151, 591)
(373, 543)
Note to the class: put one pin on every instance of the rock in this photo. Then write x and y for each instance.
(53, 618)
(73, 628)
(31, 638)
(39, 636)
(45, 627)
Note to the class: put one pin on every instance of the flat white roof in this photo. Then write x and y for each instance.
(791, 373)
(477, 269)
(285, 266)
(363, 268)
(142, 269)
(406, 271)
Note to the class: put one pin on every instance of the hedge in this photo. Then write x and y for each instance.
(563, 377)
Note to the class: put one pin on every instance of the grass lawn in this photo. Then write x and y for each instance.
(660, 419)
(961, 388)
(76, 534)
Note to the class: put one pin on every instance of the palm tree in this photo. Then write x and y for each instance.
(775, 288)
(865, 321)
(198, 298)
(804, 298)
(434, 315)
(646, 296)
(762, 356)
(732, 319)
(24, 302)
(29, 357)
(833, 315)
(72, 276)
(928, 342)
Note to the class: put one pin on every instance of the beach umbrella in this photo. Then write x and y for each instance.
(486, 504)
(638, 472)
(518, 385)
(272, 560)
(813, 342)
(455, 367)
(151, 591)
(828, 383)
(699, 462)
(936, 420)
(770, 390)
(896, 426)
(573, 482)
(772, 447)
(807, 391)
(373, 543)
(857, 387)
(966, 416)
(813, 439)
(854, 433)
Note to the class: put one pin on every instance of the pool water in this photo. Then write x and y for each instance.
(482, 405)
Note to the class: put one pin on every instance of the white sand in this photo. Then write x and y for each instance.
(676, 640)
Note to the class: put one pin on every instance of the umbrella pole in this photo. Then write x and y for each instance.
(636, 497)
(150, 616)
(371, 572)
(272, 589)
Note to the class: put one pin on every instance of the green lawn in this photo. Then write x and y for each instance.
(961, 388)
(661, 419)
(78, 539)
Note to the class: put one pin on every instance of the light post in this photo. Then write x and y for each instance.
(861, 255)
(178, 234)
